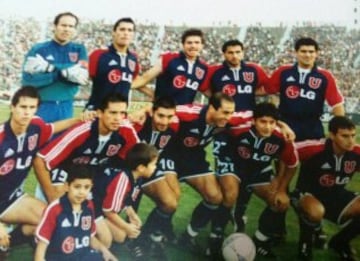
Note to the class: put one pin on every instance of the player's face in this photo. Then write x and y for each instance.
(222, 115)
(65, 30)
(265, 126)
(192, 46)
(233, 55)
(24, 111)
(343, 140)
(150, 168)
(306, 56)
(123, 35)
(111, 118)
(78, 190)
(161, 118)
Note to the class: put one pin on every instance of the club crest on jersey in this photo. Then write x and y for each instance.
(164, 139)
(271, 149)
(314, 82)
(179, 81)
(112, 150)
(229, 89)
(244, 152)
(248, 77)
(73, 57)
(349, 166)
(114, 76)
(327, 180)
(191, 141)
(85, 222)
(199, 73)
(32, 141)
(131, 65)
(7, 167)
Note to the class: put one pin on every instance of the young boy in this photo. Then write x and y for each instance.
(67, 229)
(117, 190)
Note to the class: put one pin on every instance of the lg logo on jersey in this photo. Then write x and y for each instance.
(115, 76)
(181, 81)
(293, 92)
(231, 89)
(9, 165)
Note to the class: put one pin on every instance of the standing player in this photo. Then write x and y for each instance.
(327, 166)
(67, 229)
(181, 74)
(253, 150)
(57, 68)
(304, 88)
(112, 70)
(102, 143)
(20, 138)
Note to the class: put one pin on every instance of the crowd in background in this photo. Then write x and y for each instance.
(269, 46)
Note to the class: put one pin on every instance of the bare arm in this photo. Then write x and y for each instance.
(147, 91)
(43, 176)
(40, 251)
(338, 110)
(133, 217)
(97, 245)
(131, 230)
(148, 76)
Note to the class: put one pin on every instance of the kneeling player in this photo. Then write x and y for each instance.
(67, 229)
(254, 149)
(326, 167)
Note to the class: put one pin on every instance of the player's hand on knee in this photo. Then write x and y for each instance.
(132, 231)
(281, 201)
(4, 236)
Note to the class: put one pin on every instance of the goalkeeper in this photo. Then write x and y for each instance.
(57, 68)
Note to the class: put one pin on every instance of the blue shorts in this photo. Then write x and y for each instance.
(165, 165)
(6, 203)
(51, 111)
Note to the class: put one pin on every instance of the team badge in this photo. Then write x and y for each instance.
(68, 245)
(244, 152)
(179, 81)
(73, 57)
(349, 166)
(229, 89)
(292, 92)
(248, 77)
(191, 142)
(112, 150)
(164, 139)
(131, 65)
(327, 180)
(114, 76)
(7, 167)
(32, 141)
(271, 149)
(314, 82)
(85, 222)
(199, 73)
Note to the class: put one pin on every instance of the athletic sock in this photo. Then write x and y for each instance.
(202, 214)
(270, 222)
(220, 219)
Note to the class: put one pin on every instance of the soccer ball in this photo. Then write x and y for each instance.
(238, 247)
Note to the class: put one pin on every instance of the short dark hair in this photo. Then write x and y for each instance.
(216, 99)
(58, 17)
(140, 154)
(123, 20)
(79, 171)
(192, 32)
(25, 91)
(266, 109)
(233, 42)
(340, 122)
(166, 102)
(111, 97)
(306, 41)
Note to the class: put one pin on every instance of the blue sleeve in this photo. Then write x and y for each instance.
(40, 79)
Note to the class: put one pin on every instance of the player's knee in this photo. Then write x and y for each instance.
(119, 236)
(169, 204)
(214, 197)
(312, 209)
(229, 199)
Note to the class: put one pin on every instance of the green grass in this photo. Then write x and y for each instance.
(188, 201)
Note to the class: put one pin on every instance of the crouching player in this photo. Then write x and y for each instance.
(327, 166)
(117, 190)
(254, 149)
(67, 229)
